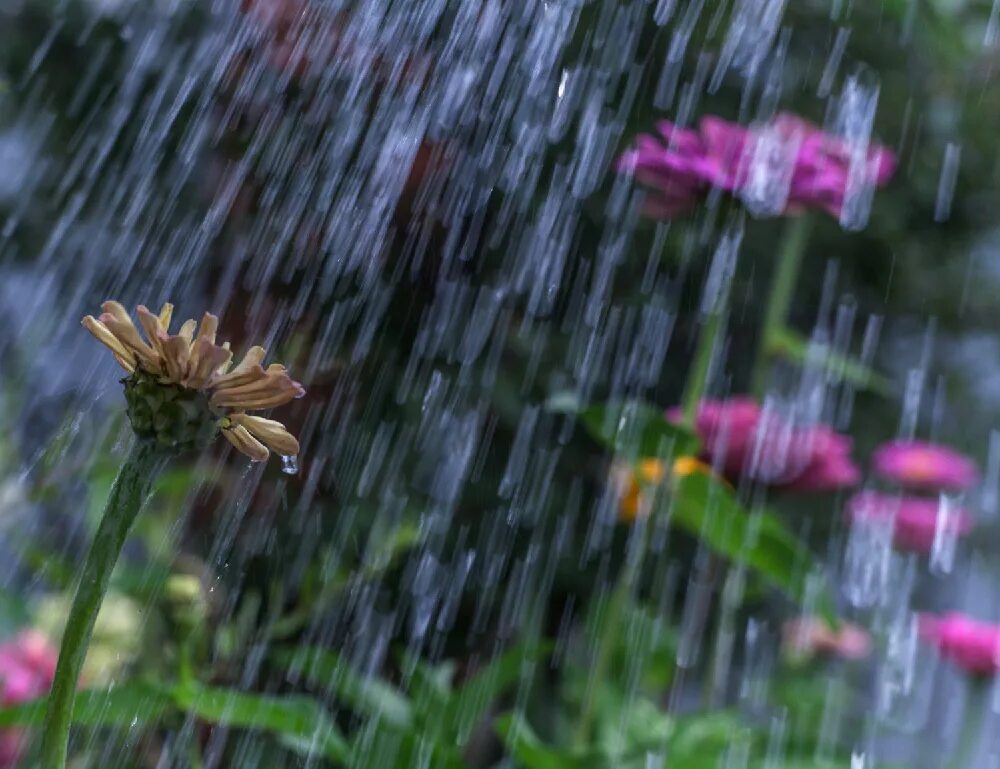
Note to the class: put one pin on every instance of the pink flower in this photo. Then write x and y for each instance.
(807, 636)
(924, 466)
(781, 167)
(972, 645)
(741, 439)
(916, 521)
(27, 667)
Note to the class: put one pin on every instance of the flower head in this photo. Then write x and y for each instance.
(783, 166)
(917, 522)
(27, 667)
(972, 645)
(634, 483)
(924, 466)
(808, 636)
(183, 387)
(744, 440)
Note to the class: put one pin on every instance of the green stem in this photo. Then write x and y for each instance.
(694, 390)
(130, 489)
(974, 717)
(786, 272)
(610, 632)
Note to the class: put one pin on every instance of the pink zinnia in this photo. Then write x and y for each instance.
(27, 667)
(924, 466)
(972, 645)
(807, 636)
(917, 522)
(741, 439)
(781, 167)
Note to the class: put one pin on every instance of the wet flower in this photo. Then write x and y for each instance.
(917, 522)
(924, 466)
(972, 645)
(634, 483)
(806, 637)
(182, 388)
(742, 439)
(784, 166)
(27, 666)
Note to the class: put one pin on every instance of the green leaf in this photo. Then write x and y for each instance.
(326, 669)
(636, 429)
(530, 752)
(473, 698)
(790, 345)
(125, 705)
(707, 509)
(296, 717)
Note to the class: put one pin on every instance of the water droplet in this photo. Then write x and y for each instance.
(290, 465)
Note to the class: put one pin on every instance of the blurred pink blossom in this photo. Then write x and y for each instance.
(972, 645)
(806, 636)
(740, 438)
(784, 166)
(27, 667)
(924, 466)
(917, 520)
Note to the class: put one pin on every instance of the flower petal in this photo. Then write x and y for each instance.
(272, 433)
(246, 443)
(105, 337)
(246, 371)
(206, 358)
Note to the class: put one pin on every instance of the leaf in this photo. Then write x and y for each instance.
(530, 752)
(381, 745)
(635, 429)
(788, 344)
(473, 698)
(125, 705)
(296, 717)
(327, 670)
(707, 509)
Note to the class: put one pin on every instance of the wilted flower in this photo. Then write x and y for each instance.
(972, 645)
(780, 167)
(633, 483)
(917, 522)
(924, 466)
(182, 388)
(27, 666)
(742, 439)
(805, 637)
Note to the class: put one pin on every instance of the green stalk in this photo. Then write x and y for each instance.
(974, 718)
(694, 390)
(786, 272)
(130, 489)
(610, 631)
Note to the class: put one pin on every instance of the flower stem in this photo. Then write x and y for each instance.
(786, 272)
(130, 489)
(976, 708)
(609, 633)
(694, 390)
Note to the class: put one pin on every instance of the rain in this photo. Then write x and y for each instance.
(571, 383)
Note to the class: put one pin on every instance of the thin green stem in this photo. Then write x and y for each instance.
(610, 631)
(130, 489)
(974, 718)
(786, 272)
(697, 381)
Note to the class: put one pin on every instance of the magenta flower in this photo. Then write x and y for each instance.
(784, 166)
(27, 667)
(924, 466)
(972, 645)
(917, 522)
(743, 440)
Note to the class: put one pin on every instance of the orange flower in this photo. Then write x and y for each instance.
(634, 482)
(168, 370)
